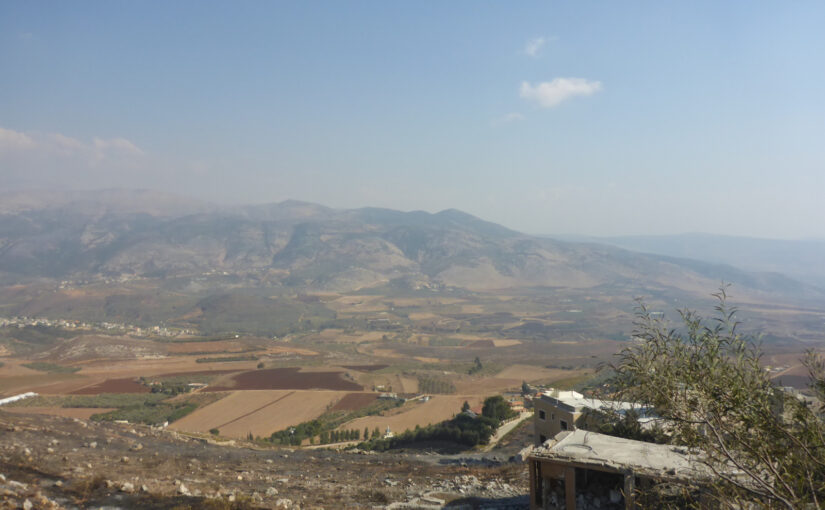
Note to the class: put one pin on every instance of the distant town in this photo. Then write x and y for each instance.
(108, 327)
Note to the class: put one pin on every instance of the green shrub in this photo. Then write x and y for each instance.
(51, 367)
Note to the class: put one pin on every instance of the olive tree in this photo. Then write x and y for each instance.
(704, 378)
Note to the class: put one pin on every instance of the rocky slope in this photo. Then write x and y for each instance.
(54, 462)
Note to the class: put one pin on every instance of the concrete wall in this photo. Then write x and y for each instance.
(549, 420)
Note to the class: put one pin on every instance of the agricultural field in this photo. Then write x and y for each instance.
(410, 346)
(260, 412)
(125, 385)
(81, 413)
(417, 412)
(285, 379)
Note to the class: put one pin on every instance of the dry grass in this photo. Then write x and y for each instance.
(485, 385)
(206, 347)
(260, 412)
(533, 373)
(438, 409)
(82, 413)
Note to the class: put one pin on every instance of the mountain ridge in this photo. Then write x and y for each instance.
(310, 246)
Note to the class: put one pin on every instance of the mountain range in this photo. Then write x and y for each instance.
(801, 259)
(145, 234)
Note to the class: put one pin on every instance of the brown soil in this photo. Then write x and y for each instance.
(260, 412)
(83, 413)
(365, 368)
(125, 385)
(210, 347)
(354, 401)
(201, 372)
(287, 379)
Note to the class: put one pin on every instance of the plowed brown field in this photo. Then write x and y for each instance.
(354, 401)
(287, 379)
(126, 385)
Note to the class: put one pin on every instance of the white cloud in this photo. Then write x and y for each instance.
(534, 45)
(61, 145)
(32, 159)
(552, 93)
(11, 140)
(508, 118)
(116, 144)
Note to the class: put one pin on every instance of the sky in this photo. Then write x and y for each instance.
(585, 118)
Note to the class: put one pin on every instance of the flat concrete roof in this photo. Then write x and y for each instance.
(591, 449)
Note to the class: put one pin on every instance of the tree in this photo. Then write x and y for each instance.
(706, 382)
(366, 433)
(497, 408)
(477, 366)
(525, 388)
(465, 407)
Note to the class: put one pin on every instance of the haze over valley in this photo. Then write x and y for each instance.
(387, 255)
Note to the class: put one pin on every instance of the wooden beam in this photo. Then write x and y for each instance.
(629, 490)
(570, 488)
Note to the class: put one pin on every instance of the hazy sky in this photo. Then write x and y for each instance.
(548, 117)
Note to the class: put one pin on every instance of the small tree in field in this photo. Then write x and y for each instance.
(706, 382)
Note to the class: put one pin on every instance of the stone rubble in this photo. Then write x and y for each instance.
(51, 463)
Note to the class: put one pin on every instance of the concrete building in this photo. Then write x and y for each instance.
(557, 411)
(582, 470)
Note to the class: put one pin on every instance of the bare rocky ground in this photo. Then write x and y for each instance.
(51, 462)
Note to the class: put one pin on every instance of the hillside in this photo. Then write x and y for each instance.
(111, 235)
(799, 259)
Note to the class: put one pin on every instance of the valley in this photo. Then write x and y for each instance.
(297, 326)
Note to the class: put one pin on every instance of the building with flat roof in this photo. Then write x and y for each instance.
(557, 411)
(580, 469)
